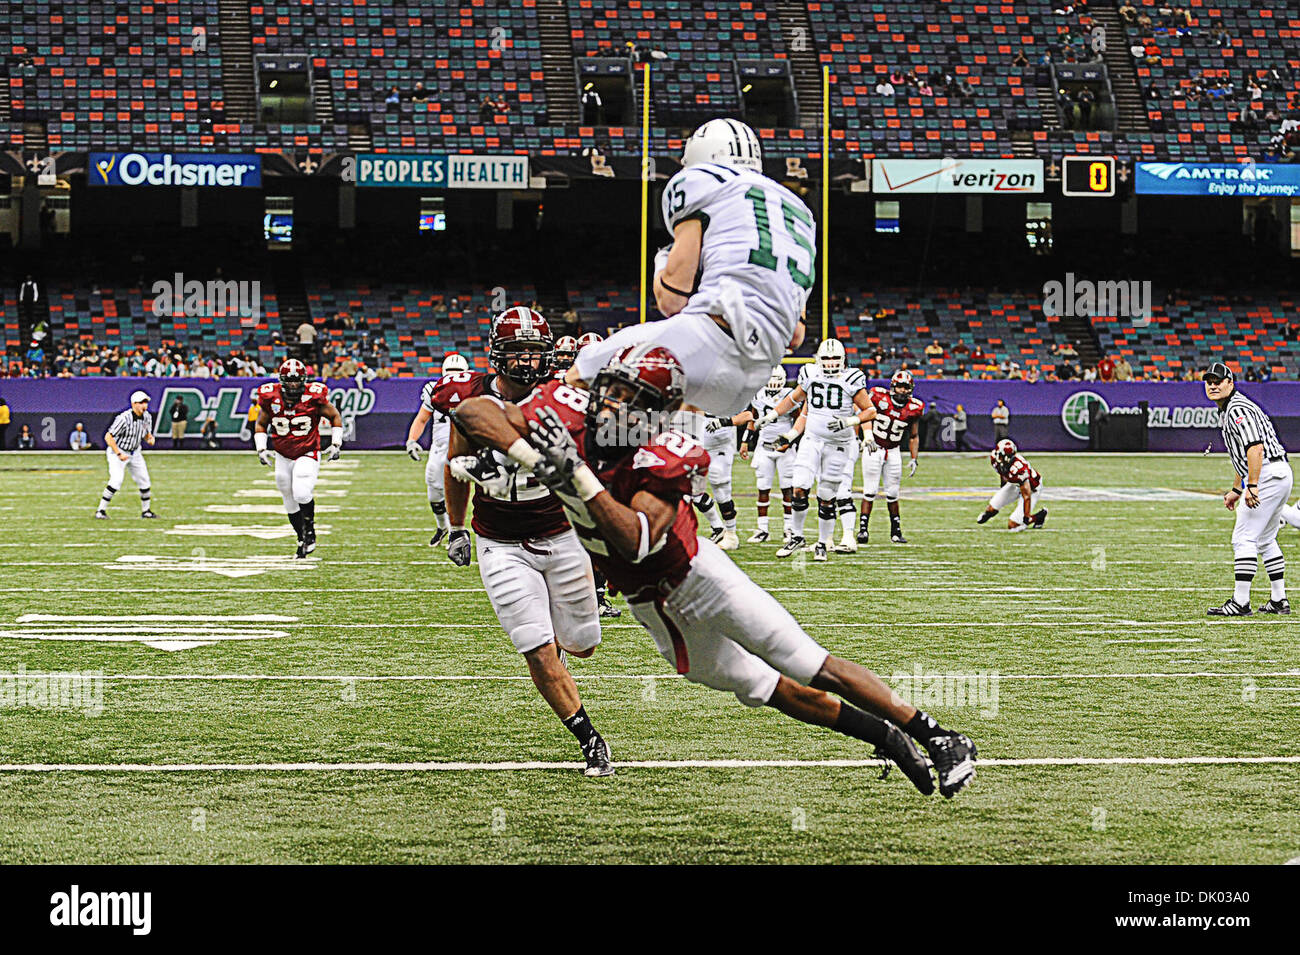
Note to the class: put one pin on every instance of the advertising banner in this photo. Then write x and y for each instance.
(1217, 179)
(957, 176)
(1047, 416)
(440, 171)
(175, 169)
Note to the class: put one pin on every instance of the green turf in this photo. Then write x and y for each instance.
(1107, 603)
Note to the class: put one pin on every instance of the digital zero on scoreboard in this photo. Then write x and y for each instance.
(1088, 176)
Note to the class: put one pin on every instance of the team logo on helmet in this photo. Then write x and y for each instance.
(1004, 452)
(776, 383)
(293, 379)
(726, 141)
(830, 356)
(901, 386)
(633, 398)
(590, 338)
(453, 362)
(566, 351)
(521, 347)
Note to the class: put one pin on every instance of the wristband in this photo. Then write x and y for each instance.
(1252, 485)
(791, 435)
(336, 435)
(586, 483)
(259, 440)
(523, 453)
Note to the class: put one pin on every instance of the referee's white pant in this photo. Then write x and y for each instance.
(117, 470)
(1255, 533)
(295, 478)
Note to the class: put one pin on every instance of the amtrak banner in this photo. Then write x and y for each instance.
(957, 176)
(1217, 179)
(440, 171)
(1046, 416)
(175, 169)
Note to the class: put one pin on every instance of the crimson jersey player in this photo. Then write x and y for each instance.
(624, 482)
(537, 575)
(898, 413)
(1019, 480)
(289, 413)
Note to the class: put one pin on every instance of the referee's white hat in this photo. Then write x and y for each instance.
(139, 396)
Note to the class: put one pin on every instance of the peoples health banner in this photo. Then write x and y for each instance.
(175, 169)
(1045, 416)
(441, 171)
(1217, 179)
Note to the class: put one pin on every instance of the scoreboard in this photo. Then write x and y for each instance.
(1088, 176)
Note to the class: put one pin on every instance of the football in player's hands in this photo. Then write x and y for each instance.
(413, 449)
(265, 456)
(482, 469)
(458, 548)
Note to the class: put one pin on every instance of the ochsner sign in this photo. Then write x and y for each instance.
(175, 169)
(960, 176)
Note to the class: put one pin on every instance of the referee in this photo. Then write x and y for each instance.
(1262, 482)
(129, 430)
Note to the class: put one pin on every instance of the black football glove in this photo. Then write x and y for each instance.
(458, 548)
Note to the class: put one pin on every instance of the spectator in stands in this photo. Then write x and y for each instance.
(884, 87)
(1128, 12)
(393, 99)
(1020, 59)
(28, 296)
(1106, 369)
(78, 440)
(593, 107)
(308, 349)
(419, 94)
(26, 441)
(1123, 370)
(1001, 416)
(934, 349)
(1085, 98)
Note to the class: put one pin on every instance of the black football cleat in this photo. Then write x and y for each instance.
(302, 550)
(899, 750)
(1230, 608)
(1276, 606)
(309, 539)
(1038, 520)
(101, 515)
(897, 538)
(863, 536)
(717, 535)
(438, 537)
(607, 609)
(984, 517)
(819, 551)
(149, 516)
(597, 754)
(954, 762)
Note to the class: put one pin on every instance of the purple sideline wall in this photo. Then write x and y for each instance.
(1044, 416)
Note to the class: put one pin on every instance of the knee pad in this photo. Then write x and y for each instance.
(301, 499)
(702, 503)
(800, 502)
(826, 510)
(728, 510)
(439, 506)
(845, 505)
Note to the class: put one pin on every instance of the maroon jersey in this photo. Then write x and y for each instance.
(525, 510)
(892, 423)
(1016, 471)
(667, 467)
(294, 429)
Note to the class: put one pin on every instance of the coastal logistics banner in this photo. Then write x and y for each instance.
(175, 169)
(439, 171)
(1217, 179)
(957, 176)
(1044, 415)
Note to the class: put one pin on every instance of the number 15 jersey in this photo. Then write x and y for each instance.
(758, 234)
(828, 397)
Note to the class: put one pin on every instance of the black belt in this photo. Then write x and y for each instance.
(1274, 460)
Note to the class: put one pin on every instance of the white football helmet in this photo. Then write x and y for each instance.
(776, 383)
(830, 356)
(454, 362)
(726, 141)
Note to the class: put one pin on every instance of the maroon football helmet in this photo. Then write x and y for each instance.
(517, 334)
(566, 352)
(590, 338)
(293, 379)
(633, 397)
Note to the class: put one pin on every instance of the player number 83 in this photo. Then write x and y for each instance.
(299, 425)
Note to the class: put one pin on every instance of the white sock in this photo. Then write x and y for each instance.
(1275, 567)
(714, 519)
(1245, 567)
(848, 522)
(797, 522)
(762, 522)
(825, 529)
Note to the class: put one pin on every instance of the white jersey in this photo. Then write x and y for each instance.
(440, 424)
(762, 403)
(757, 234)
(830, 397)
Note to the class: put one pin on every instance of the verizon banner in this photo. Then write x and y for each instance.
(958, 176)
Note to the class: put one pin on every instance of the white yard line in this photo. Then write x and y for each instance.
(476, 677)
(629, 764)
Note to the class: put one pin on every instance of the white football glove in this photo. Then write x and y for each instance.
(911, 468)
(333, 451)
(765, 419)
(265, 457)
(869, 445)
(413, 449)
(843, 423)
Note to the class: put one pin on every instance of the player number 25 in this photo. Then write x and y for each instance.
(889, 428)
(299, 426)
(793, 218)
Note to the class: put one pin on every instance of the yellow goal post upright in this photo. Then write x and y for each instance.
(647, 168)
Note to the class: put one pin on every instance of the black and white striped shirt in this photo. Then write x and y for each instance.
(1244, 425)
(129, 431)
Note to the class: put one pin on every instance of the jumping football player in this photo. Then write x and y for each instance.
(626, 497)
(736, 292)
(1018, 480)
(435, 469)
(898, 414)
(537, 576)
(835, 405)
(769, 464)
(290, 410)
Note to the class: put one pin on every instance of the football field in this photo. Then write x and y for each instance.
(182, 690)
